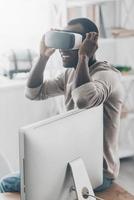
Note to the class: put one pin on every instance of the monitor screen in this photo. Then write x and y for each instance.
(46, 148)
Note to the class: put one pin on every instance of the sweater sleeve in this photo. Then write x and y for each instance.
(97, 91)
(49, 88)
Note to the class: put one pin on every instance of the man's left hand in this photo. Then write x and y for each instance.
(89, 45)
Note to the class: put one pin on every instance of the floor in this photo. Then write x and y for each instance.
(126, 175)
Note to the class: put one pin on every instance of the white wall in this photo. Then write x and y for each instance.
(22, 23)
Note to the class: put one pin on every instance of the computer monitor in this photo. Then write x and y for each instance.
(46, 148)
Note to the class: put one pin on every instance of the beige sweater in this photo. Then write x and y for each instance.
(105, 88)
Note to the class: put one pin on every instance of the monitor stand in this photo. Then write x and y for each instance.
(82, 184)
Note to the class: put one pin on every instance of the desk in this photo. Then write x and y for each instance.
(10, 196)
(126, 137)
(114, 193)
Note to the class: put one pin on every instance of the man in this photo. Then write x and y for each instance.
(86, 83)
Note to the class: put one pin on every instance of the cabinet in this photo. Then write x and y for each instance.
(117, 51)
(126, 138)
(97, 11)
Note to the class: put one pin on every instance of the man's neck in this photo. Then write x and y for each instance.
(92, 61)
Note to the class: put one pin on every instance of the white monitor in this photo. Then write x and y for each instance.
(46, 148)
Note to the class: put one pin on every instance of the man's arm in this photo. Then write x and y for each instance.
(86, 52)
(88, 92)
(37, 88)
(36, 74)
(82, 77)
(98, 90)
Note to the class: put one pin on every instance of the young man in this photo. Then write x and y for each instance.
(86, 83)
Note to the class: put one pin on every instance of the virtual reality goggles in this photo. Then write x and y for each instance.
(63, 40)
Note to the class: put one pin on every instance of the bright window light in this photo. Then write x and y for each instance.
(22, 23)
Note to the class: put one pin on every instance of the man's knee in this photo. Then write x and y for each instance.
(3, 185)
(10, 183)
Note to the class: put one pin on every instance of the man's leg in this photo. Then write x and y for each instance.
(10, 183)
(105, 185)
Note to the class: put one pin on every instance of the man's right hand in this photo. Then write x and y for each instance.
(89, 45)
(44, 50)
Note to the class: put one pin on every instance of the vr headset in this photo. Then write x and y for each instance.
(63, 40)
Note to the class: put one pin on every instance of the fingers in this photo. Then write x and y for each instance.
(43, 38)
(92, 36)
(96, 37)
(88, 35)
